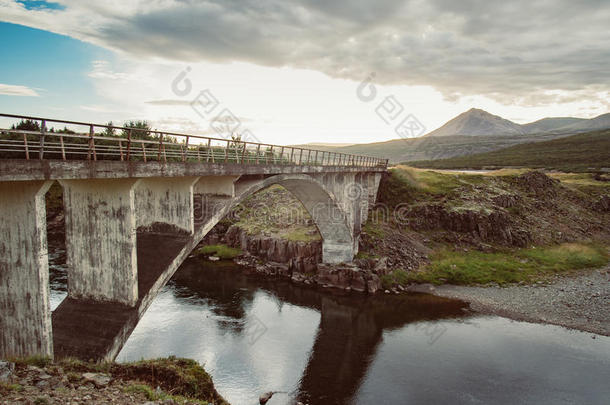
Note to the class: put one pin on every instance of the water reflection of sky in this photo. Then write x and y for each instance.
(255, 336)
(242, 368)
(489, 360)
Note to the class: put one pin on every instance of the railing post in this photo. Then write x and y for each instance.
(121, 150)
(43, 125)
(27, 149)
(243, 155)
(301, 157)
(160, 146)
(91, 144)
(129, 145)
(186, 149)
(227, 151)
(63, 150)
(291, 155)
(144, 150)
(281, 154)
(209, 151)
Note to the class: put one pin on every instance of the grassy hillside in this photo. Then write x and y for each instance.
(440, 147)
(574, 153)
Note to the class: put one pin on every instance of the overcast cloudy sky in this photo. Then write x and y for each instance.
(290, 70)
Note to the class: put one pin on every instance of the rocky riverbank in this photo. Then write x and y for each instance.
(579, 301)
(502, 216)
(172, 381)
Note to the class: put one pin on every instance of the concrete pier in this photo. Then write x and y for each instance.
(101, 239)
(25, 318)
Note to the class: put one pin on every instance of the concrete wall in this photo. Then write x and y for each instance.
(216, 185)
(25, 320)
(101, 239)
(165, 200)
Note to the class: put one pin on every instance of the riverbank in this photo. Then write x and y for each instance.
(169, 381)
(534, 233)
(577, 301)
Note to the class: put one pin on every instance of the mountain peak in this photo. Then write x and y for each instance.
(477, 122)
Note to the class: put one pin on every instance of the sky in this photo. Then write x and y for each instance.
(291, 72)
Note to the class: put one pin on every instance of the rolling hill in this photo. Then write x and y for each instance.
(474, 131)
(573, 153)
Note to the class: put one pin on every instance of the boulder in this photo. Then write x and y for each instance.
(7, 369)
(97, 379)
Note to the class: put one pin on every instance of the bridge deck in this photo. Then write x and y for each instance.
(86, 150)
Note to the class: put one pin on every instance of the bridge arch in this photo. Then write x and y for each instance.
(327, 213)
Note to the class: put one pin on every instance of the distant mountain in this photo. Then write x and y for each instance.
(551, 124)
(599, 122)
(474, 131)
(476, 122)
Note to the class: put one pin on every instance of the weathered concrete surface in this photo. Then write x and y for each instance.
(159, 256)
(101, 239)
(165, 200)
(25, 320)
(216, 185)
(15, 169)
(88, 329)
(106, 202)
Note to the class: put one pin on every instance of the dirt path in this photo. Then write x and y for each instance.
(579, 302)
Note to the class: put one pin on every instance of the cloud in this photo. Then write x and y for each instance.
(508, 51)
(14, 90)
(169, 102)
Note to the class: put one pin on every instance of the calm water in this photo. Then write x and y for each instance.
(255, 335)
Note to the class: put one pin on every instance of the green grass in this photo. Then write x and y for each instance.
(366, 255)
(222, 251)
(522, 265)
(153, 395)
(374, 229)
(38, 361)
(5, 388)
(182, 380)
(406, 184)
(573, 153)
(396, 277)
(300, 235)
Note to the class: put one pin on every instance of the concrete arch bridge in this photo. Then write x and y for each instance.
(136, 204)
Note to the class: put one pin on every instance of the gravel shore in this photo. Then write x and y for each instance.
(578, 301)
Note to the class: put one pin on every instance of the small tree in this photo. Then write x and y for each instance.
(109, 131)
(139, 130)
(65, 131)
(27, 125)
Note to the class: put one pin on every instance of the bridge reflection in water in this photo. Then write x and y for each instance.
(350, 329)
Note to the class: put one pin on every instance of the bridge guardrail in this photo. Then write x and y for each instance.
(134, 144)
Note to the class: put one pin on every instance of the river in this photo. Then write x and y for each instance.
(255, 335)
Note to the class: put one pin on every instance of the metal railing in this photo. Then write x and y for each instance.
(84, 141)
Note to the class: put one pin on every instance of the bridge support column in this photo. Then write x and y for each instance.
(25, 322)
(165, 204)
(101, 239)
